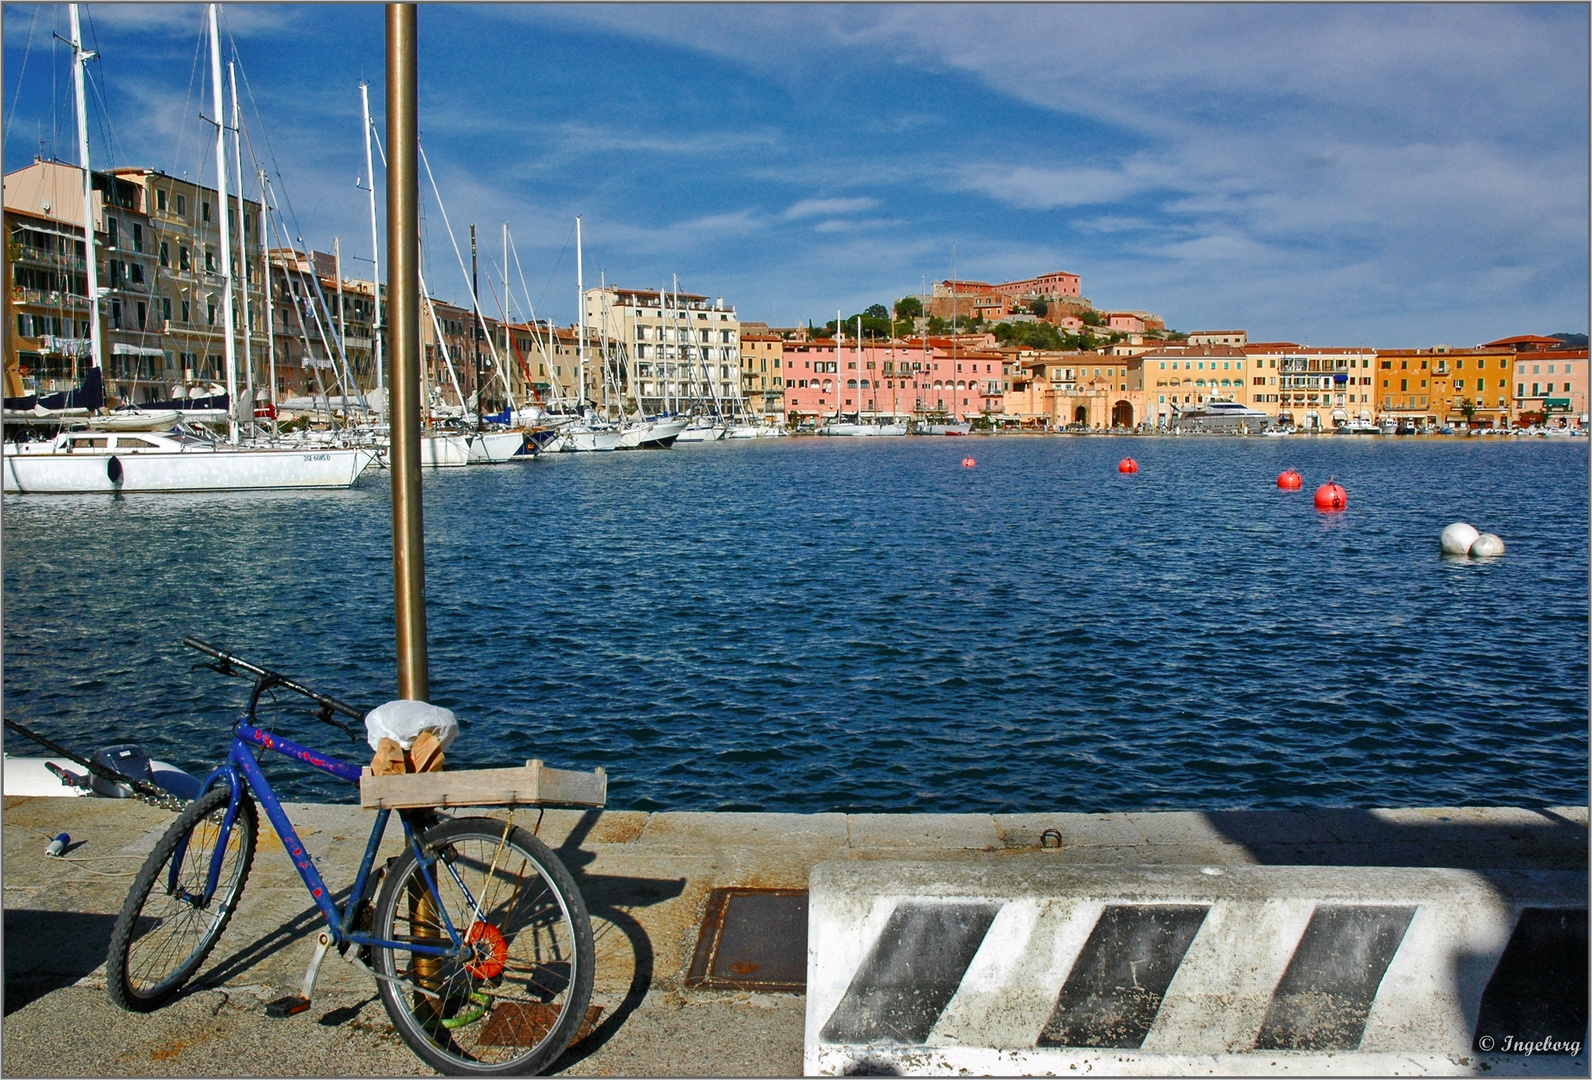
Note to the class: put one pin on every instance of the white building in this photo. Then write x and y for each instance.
(674, 351)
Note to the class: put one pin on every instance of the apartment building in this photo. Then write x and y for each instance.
(962, 378)
(157, 250)
(1239, 338)
(670, 350)
(1555, 375)
(1443, 386)
(1313, 388)
(762, 372)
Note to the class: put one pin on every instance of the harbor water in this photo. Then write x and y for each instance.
(866, 625)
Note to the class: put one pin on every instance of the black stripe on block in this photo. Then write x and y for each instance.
(910, 974)
(1326, 993)
(1538, 991)
(1116, 985)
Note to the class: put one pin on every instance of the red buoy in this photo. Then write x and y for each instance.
(968, 463)
(1290, 480)
(1331, 496)
(1127, 465)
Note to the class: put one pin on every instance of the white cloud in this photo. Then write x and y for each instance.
(823, 207)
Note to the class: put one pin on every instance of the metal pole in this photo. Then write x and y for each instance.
(403, 277)
(230, 347)
(375, 253)
(96, 349)
(243, 241)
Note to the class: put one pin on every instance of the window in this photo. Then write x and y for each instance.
(210, 257)
(116, 314)
(137, 271)
(1534, 389)
(1520, 391)
(165, 308)
(1459, 384)
(1387, 365)
(111, 230)
(1404, 384)
(211, 318)
(182, 204)
(143, 316)
(207, 210)
(165, 254)
(184, 261)
(138, 237)
(160, 200)
(1550, 369)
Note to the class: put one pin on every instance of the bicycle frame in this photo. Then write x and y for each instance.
(241, 768)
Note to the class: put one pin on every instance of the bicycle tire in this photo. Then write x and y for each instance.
(518, 1002)
(160, 939)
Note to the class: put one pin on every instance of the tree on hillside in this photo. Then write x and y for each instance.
(908, 307)
(1092, 318)
(1040, 308)
(875, 311)
(1034, 335)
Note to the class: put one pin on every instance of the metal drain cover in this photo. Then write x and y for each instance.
(752, 939)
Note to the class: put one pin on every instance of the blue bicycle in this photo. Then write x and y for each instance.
(476, 934)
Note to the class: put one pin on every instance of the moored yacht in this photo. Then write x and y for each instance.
(178, 460)
(1223, 415)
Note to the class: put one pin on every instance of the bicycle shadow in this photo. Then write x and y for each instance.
(301, 926)
(608, 898)
(48, 950)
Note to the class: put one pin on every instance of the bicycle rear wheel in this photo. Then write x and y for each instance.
(513, 998)
(165, 929)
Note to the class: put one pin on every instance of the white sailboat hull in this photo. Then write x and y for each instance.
(847, 429)
(701, 433)
(651, 434)
(579, 439)
(495, 447)
(188, 469)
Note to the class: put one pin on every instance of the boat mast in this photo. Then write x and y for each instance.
(375, 247)
(475, 331)
(243, 240)
(859, 370)
(580, 315)
(265, 266)
(90, 260)
(226, 233)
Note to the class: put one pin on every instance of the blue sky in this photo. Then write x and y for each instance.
(1336, 174)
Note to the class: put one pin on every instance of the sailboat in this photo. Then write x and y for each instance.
(186, 458)
(857, 427)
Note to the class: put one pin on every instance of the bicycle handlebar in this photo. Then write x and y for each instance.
(227, 662)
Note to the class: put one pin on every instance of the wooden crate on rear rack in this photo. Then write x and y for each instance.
(534, 784)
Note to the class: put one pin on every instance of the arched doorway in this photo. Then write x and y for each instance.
(1080, 415)
(1122, 414)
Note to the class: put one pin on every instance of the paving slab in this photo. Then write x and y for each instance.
(646, 878)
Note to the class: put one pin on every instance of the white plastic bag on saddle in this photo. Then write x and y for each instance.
(401, 721)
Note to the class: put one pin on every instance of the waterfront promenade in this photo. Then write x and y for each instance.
(647, 878)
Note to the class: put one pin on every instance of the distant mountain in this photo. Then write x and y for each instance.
(1572, 341)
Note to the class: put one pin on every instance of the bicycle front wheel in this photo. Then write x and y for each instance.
(511, 998)
(167, 927)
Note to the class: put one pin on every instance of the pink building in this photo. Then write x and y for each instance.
(898, 378)
(1059, 283)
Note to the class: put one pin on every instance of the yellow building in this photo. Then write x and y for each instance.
(1441, 386)
(762, 373)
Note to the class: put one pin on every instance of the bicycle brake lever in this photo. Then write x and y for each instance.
(325, 716)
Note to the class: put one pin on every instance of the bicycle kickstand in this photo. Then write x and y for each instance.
(293, 1004)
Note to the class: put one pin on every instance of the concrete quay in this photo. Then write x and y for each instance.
(647, 879)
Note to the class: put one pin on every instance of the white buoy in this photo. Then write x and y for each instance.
(1487, 546)
(1457, 538)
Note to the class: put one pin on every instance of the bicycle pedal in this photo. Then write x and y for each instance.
(284, 1007)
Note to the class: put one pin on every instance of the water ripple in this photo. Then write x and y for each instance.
(822, 625)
